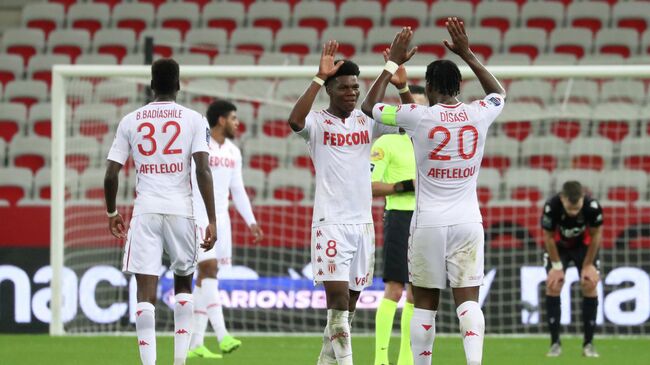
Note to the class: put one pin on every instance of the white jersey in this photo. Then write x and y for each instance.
(448, 141)
(226, 165)
(162, 136)
(340, 150)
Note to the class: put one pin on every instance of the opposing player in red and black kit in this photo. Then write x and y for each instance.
(572, 224)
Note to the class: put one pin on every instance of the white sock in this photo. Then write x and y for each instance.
(212, 301)
(327, 355)
(182, 326)
(339, 331)
(472, 329)
(200, 321)
(423, 333)
(145, 327)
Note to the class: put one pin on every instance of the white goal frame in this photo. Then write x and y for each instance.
(58, 92)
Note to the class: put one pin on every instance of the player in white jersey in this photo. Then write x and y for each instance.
(163, 138)
(446, 230)
(226, 165)
(342, 239)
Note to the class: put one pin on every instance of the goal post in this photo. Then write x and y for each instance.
(269, 301)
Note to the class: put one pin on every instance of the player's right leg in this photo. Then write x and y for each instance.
(207, 268)
(554, 308)
(143, 257)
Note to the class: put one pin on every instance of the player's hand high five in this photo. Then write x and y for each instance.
(399, 49)
(400, 78)
(327, 67)
(460, 42)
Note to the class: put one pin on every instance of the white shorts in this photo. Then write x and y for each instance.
(451, 252)
(222, 250)
(344, 252)
(150, 234)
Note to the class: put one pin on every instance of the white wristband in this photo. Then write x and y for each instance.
(404, 90)
(391, 67)
(318, 80)
(111, 215)
(557, 265)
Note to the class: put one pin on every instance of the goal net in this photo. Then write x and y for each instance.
(588, 123)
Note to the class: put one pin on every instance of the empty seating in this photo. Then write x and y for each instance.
(133, 16)
(166, 42)
(207, 41)
(380, 38)
(589, 179)
(591, 15)
(225, 15)
(255, 184)
(624, 42)
(635, 154)
(89, 16)
(290, 184)
(533, 185)
(547, 153)
(350, 39)
(251, 40)
(500, 153)
(23, 42)
(40, 66)
(26, 92)
(15, 184)
(626, 186)
(362, 14)
(488, 186)
(632, 15)
(517, 117)
(81, 153)
(406, 14)
(43, 16)
(591, 153)
(537, 91)
(70, 42)
(43, 179)
(614, 120)
(29, 152)
(530, 42)
(442, 10)
(314, 14)
(573, 41)
(115, 42)
(577, 91)
(288, 40)
(499, 14)
(272, 15)
(94, 119)
(546, 15)
(265, 154)
(178, 16)
(40, 120)
(11, 68)
(12, 119)
(274, 121)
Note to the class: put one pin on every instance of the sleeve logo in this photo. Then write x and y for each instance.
(207, 136)
(377, 154)
(494, 101)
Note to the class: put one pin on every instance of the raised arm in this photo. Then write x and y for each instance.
(460, 46)
(204, 180)
(326, 68)
(398, 55)
(400, 81)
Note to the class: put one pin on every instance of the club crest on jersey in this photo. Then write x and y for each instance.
(331, 267)
(482, 103)
(495, 101)
(413, 106)
(328, 122)
(361, 120)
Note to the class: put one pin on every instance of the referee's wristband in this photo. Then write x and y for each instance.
(557, 265)
(391, 67)
(404, 186)
(111, 215)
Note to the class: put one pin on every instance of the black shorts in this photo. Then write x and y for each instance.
(574, 254)
(397, 224)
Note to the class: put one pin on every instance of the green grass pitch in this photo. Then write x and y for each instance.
(42, 349)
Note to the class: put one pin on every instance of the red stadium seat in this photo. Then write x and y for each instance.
(300, 43)
(591, 153)
(572, 41)
(531, 185)
(265, 153)
(614, 120)
(29, 152)
(566, 129)
(543, 152)
(488, 185)
(350, 39)
(406, 14)
(156, 3)
(12, 117)
(590, 15)
(271, 15)
(23, 42)
(40, 66)
(134, 16)
(43, 16)
(500, 15)
(361, 14)
(441, 10)
(290, 184)
(500, 153)
(314, 14)
(635, 154)
(11, 68)
(226, 16)
(15, 183)
(40, 120)
(26, 92)
(179, 16)
(89, 16)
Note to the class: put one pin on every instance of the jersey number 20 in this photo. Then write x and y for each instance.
(435, 153)
(152, 141)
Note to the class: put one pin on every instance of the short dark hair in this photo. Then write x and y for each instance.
(348, 68)
(219, 108)
(416, 89)
(572, 190)
(444, 77)
(164, 76)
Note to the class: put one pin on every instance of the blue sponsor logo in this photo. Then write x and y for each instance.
(495, 101)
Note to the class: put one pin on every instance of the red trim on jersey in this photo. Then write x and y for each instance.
(334, 116)
(450, 106)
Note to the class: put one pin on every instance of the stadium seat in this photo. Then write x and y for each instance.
(536, 91)
(11, 68)
(289, 90)
(278, 59)
(43, 16)
(578, 90)
(350, 39)
(533, 185)
(406, 14)
(273, 121)
(625, 186)
(574, 41)
(442, 10)
(255, 184)
(94, 120)
(499, 14)
(546, 15)
(29, 152)
(40, 66)
(246, 116)
(500, 153)
(207, 41)
(314, 14)
(23, 42)
(111, 3)
(66, 3)
(81, 153)
(547, 153)
(530, 42)
(380, 38)
(589, 179)
(602, 59)
(235, 59)
(591, 15)
(591, 153)
(272, 15)
(362, 14)
(89, 16)
(156, 3)
(645, 43)
(614, 120)
(631, 15)
(115, 42)
(116, 92)
(254, 41)
(257, 89)
(628, 91)
(15, 184)
(97, 59)
(196, 89)
(374, 59)
(134, 16)
(296, 41)
(559, 59)
(635, 154)
(264, 153)
(290, 184)
(166, 42)
(485, 41)
(624, 42)
(178, 16)
(508, 59)
(91, 184)
(568, 121)
(13, 116)
(193, 59)
(488, 187)
(69, 42)
(298, 154)
(517, 119)
(40, 120)
(471, 90)
(224, 15)
(26, 92)
(79, 91)
(429, 41)
(43, 180)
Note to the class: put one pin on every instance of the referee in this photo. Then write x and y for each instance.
(572, 224)
(393, 171)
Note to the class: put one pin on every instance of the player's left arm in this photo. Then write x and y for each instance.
(117, 156)
(400, 81)
(243, 202)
